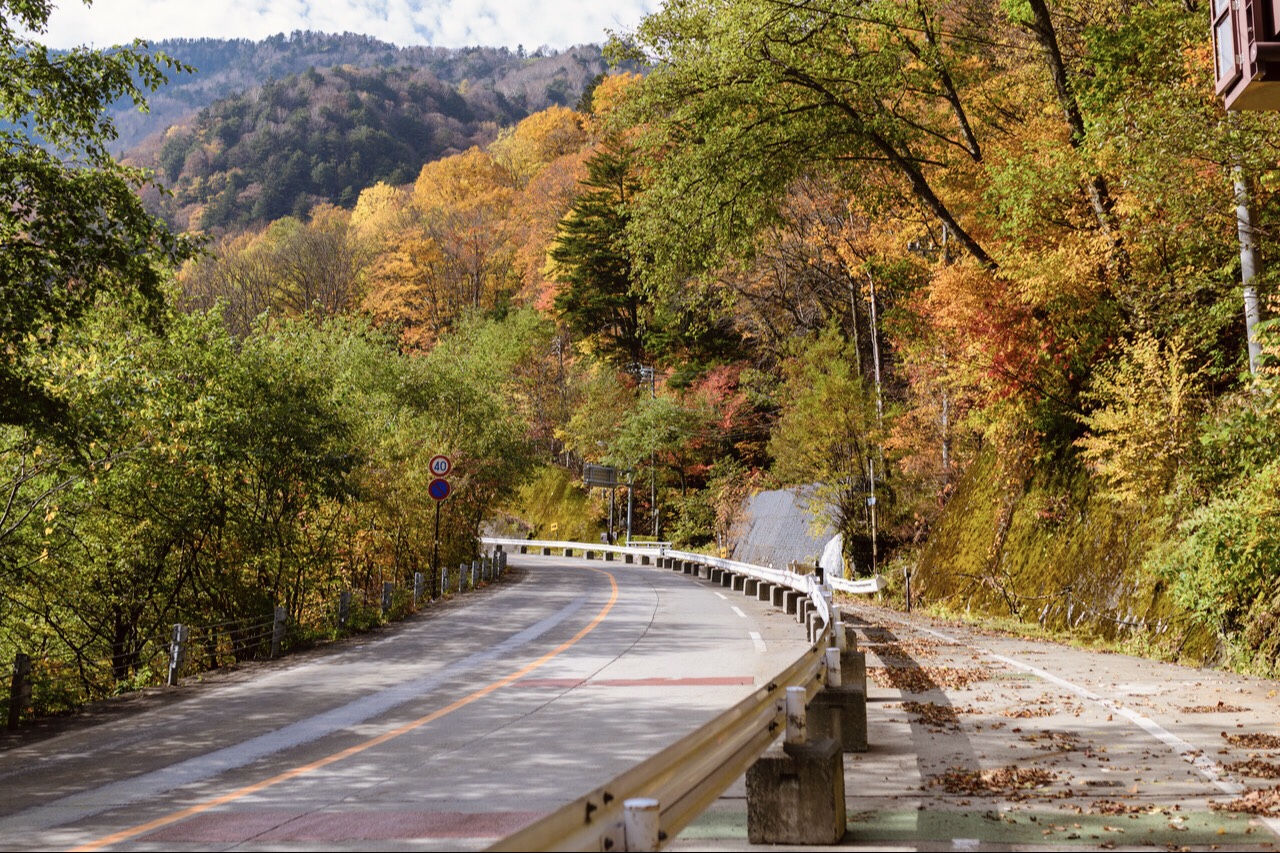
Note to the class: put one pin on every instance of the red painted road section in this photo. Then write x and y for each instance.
(710, 681)
(266, 826)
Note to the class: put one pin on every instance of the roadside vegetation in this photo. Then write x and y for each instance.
(977, 260)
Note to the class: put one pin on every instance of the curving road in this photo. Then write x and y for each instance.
(444, 732)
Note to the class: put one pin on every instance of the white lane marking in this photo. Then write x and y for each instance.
(722, 595)
(759, 641)
(738, 610)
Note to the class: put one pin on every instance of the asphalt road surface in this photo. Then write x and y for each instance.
(444, 732)
(980, 741)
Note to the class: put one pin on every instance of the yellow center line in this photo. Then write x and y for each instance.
(183, 814)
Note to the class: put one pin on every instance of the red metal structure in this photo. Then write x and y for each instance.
(1246, 53)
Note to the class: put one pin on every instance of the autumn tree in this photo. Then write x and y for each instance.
(826, 436)
(462, 203)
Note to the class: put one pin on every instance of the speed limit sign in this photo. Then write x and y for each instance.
(440, 465)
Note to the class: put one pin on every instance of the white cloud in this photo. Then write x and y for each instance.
(447, 23)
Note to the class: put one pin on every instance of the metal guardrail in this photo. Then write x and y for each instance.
(688, 776)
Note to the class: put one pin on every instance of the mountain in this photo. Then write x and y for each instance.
(271, 128)
(227, 67)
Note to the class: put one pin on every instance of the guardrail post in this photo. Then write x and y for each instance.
(833, 667)
(417, 588)
(795, 795)
(797, 724)
(641, 822)
(839, 710)
(177, 653)
(19, 688)
(444, 582)
(344, 607)
(277, 631)
(475, 573)
(387, 589)
(462, 577)
(853, 663)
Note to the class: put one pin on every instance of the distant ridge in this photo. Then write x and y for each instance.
(232, 66)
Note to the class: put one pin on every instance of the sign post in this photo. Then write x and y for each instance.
(439, 489)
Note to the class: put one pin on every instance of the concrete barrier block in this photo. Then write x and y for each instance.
(717, 574)
(853, 669)
(750, 585)
(840, 713)
(803, 609)
(850, 637)
(764, 592)
(795, 795)
(608, 557)
(738, 582)
(629, 558)
(780, 597)
(644, 559)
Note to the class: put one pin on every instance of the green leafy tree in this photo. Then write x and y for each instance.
(72, 224)
(825, 437)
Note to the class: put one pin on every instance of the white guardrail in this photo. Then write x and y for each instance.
(681, 781)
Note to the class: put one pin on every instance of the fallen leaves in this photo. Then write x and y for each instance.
(1253, 740)
(1255, 767)
(1014, 783)
(1220, 708)
(922, 679)
(1264, 802)
(934, 715)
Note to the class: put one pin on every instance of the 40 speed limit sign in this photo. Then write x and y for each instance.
(440, 465)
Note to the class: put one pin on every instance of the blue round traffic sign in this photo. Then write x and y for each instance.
(438, 489)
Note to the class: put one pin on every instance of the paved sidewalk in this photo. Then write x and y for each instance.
(980, 741)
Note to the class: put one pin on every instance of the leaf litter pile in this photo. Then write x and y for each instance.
(1253, 740)
(937, 716)
(1013, 783)
(1220, 708)
(922, 679)
(1255, 767)
(1265, 803)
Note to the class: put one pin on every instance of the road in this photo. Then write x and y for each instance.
(983, 741)
(446, 731)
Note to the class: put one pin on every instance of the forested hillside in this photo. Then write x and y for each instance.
(277, 142)
(229, 67)
(969, 270)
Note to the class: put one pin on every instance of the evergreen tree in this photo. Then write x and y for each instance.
(600, 302)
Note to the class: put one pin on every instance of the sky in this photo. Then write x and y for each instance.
(444, 23)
